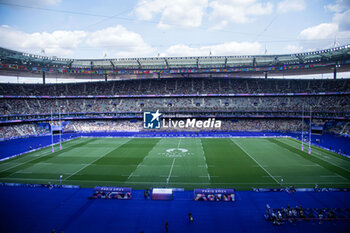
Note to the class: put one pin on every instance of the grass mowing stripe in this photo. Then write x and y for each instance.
(34, 154)
(116, 164)
(227, 163)
(255, 161)
(36, 159)
(323, 152)
(325, 164)
(141, 168)
(95, 160)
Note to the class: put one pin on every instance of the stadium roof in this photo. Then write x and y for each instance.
(315, 62)
(20, 58)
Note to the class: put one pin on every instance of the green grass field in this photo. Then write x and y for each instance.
(239, 163)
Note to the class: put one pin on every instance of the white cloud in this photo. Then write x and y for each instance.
(334, 8)
(339, 6)
(334, 33)
(116, 41)
(147, 8)
(343, 20)
(321, 31)
(341, 10)
(125, 43)
(291, 5)
(58, 43)
(225, 49)
(184, 13)
(181, 50)
(237, 11)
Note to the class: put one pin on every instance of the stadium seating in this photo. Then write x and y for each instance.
(178, 86)
(195, 104)
(248, 112)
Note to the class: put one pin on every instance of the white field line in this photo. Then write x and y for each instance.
(166, 165)
(171, 170)
(20, 155)
(321, 149)
(35, 157)
(335, 175)
(322, 158)
(329, 158)
(95, 160)
(160, 182)
(206, 165)
(145, 158)
(205, 159)
(316, 150)
(208, 177)
(29, 172)
(324, 155)
(131, 174)
(64, 164)
(28, 161)
(255, 161)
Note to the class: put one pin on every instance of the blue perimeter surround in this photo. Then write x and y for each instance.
(25, 209)
(21, 145)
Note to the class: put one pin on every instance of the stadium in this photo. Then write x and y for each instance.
(202, 143)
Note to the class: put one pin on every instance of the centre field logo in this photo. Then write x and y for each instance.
(176, 149)
(151, 120)
(176, 152)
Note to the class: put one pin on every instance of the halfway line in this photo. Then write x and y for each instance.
(171, 169)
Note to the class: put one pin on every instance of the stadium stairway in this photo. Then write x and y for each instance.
(25, 209)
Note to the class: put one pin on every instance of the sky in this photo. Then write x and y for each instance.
(168, 28)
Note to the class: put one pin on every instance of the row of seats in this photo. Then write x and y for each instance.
(340, 103)
(178, 86)
(16, 130)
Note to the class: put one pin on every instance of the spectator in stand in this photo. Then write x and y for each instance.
(178, 86)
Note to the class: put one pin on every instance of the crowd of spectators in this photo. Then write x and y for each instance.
(104, 126)
(289, 214)
(247, 106)
(178, 86)
(346, 129)
(17, 130)
(329, 103)
(120, 125)
(227, 125)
